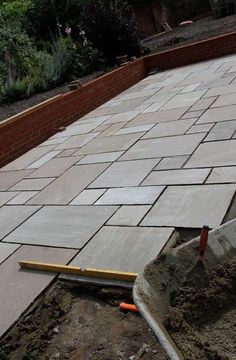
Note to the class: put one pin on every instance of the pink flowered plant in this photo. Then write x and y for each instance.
(68, 30)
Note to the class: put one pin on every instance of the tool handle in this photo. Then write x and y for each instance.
(128, 307)
(203, 241)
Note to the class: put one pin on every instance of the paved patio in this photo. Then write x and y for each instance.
(109, 191)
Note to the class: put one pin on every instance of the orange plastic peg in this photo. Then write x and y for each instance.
(128, 307)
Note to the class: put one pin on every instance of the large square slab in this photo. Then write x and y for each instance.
(178, 127)
(131, 195)
(125, 173)
(123, 248)
(162, 147)
(183, 100)
(62, 226)
(68, 185)
(19, 288)
(109, 144)
(13, 216)
(209, 154)
(191, 206)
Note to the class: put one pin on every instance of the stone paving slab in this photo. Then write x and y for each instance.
(62, 226)
(129, 215)
(6, 250)
(171, 163)
(191, 206)
(123, 248)
(19, 288)
(22, 197)
(5, 196)
(178, 127)
(218, 114)
(223, 175)
(10, 178)
(32, 184)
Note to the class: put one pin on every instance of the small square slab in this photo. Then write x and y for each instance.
(191, 206)
(131, 196)
(177, 127)
(129, 215)
(175, 162)
(62, 226)
(123, 248)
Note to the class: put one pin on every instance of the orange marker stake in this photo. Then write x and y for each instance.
(128, 307)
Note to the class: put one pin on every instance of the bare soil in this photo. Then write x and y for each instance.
(202, 319)
(80, 323)
(199, 30)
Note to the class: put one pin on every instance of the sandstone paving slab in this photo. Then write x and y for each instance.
(158, 116)
(134, 129)
(54, 167)
(68, 185)
(32, 184)
(210, 154)
(54, 141)
(203, 104)
(223, 175)
(112, 129)
(131, 196)
(76, 141)
(219, 135)
(123, 248)
(221, 90)
(66, 153)
(200, 128)
(13, 216)
(5, 196)
(101, 158)
(10, 178)
(6, 250)
(192, 114)
(224, 100)
(175, 177)
(22, 197)
(224, 113)
(44, 159)
(182, 100)
(129, 215)
(163, 147)
(126, 106)
(191, 206)
(126, 116)
(76, 130)
(177, 127)
(25, 160)
(125, 173)
(88, 197)
(62, 226)
(109, 144)
(154, 107)
(171, 163)
(88, 119)
(19, 288)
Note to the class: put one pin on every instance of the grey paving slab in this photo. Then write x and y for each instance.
(5, 196)
(76, 141)
(66, 153)
(209, 154)
(182, 100)
(177, 127)
(44, 159)
(68, 185)
(88, 197)
(99, 112)
(76, 130)
(163, 147)
(6, 250)
(224, 100)
(101, 158)
(54, 141)
(127, 105)
(175, 162)
(131, 196)
(13, 216)
(125, 173)
(154, 107)
(219, 135)
(32, 184)
(54, 167)
(134, 129)
(220, 90)
(191, 206)
(192, 114)
(112, 129)
(22, 197)
(109, 144)
(129, 215)
(218, 114)
(62, 226)
(25, 160)
(10, 178)
(123, 248)
(158, 116)
(88, 119)
(203, 104)
(175, 177)
(200, 128)
(123, 117)
(20, 288)
(223, 175)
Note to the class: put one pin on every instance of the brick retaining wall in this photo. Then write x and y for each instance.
(24, 131)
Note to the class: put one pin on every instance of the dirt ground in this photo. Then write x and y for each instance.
(202, 320)
(80, 323)
(199, 30)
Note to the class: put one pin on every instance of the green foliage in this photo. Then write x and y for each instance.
(111, 27)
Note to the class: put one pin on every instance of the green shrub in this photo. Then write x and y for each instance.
(13, 90)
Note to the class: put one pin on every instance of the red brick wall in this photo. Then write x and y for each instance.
(28, 129)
